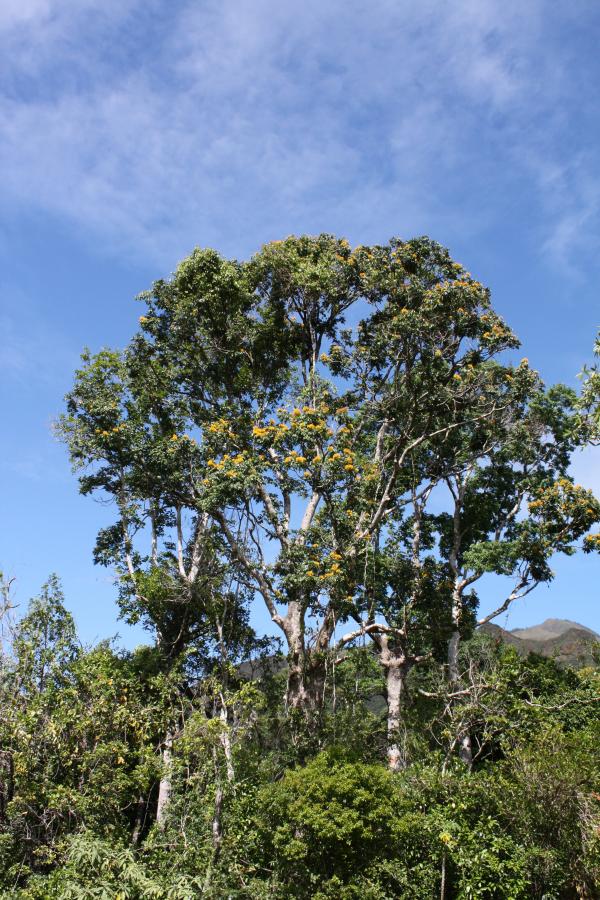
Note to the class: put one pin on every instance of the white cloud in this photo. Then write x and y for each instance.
(243, 118)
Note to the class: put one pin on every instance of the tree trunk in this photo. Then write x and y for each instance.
(164, 788)
(296, 694)
(225, 739)
(465, 751)
(395, 684)
(140, 818)
(307, 669)
(6, 781)
(315, 681)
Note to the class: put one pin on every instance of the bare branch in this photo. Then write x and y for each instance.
(308, 516)
(516, 594)
(271, 509)
(255, 572)
(180, 563)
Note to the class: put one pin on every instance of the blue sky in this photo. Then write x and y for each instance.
(132, 131)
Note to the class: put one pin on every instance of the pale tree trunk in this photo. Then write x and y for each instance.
(307, 668)
(392, 659)
(296, 696)
(465, 750)
(395, 687)
(225, 738)
(464, 740)
(164, 788)
(217, 832)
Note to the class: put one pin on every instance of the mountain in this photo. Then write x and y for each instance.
(569, 643)
(551, 629)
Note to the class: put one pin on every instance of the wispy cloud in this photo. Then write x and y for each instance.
(228, 121)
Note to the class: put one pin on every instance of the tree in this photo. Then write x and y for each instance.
(286, 425)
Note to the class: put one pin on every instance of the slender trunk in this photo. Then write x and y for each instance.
(443, 877)
(140, 819)
(453, 672)
(465, 751)
(217, 832)
(164, 788)
(395, 685)
(225, 738)
(6, 781)
(216, 822)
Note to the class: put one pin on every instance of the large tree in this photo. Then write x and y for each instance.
(285, 425)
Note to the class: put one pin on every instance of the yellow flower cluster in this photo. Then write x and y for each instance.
(295, 458)
(114, 430)
(221, 426)
(496, 331)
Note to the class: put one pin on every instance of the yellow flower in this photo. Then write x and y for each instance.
(174, 437)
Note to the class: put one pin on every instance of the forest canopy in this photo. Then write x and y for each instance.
(344, 438)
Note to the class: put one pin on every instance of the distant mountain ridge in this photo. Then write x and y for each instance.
(569, 643)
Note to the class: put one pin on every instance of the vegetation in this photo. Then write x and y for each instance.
(341, 436)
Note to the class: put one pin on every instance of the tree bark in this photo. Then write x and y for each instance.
(465, 750)
(296, 694)
(395, 668)
(6, 781)
(306, 667)
(164, 788)
(140, 818)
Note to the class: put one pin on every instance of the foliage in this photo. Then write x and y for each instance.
(342, 435)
